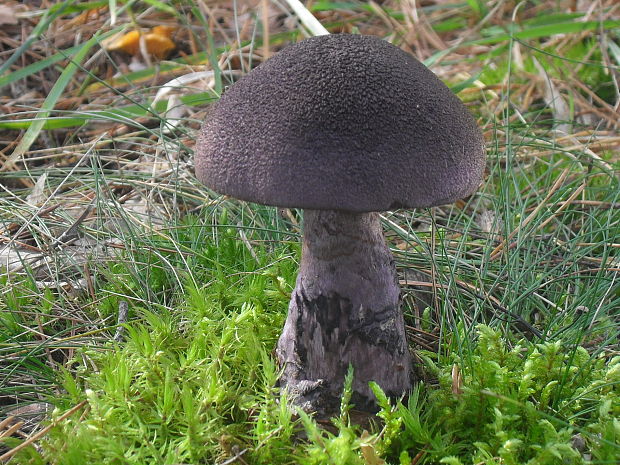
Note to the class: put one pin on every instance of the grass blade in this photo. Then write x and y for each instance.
(127, 114)
(547, 30)
(48, 18)
(35, 128)
(307, 18)
(37, 66)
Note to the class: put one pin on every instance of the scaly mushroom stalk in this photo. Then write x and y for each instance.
(344, 310)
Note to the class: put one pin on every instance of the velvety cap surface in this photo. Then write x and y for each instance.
(343, 122)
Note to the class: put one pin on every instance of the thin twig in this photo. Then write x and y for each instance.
(123, 311)
(43, 432)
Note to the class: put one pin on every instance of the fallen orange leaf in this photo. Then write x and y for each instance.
(157, 40)
(165, 31)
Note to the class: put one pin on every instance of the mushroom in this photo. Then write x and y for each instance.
(342, 126)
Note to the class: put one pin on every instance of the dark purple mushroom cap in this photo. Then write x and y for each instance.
(341, 122)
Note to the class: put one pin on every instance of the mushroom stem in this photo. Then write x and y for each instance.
(344, 310)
